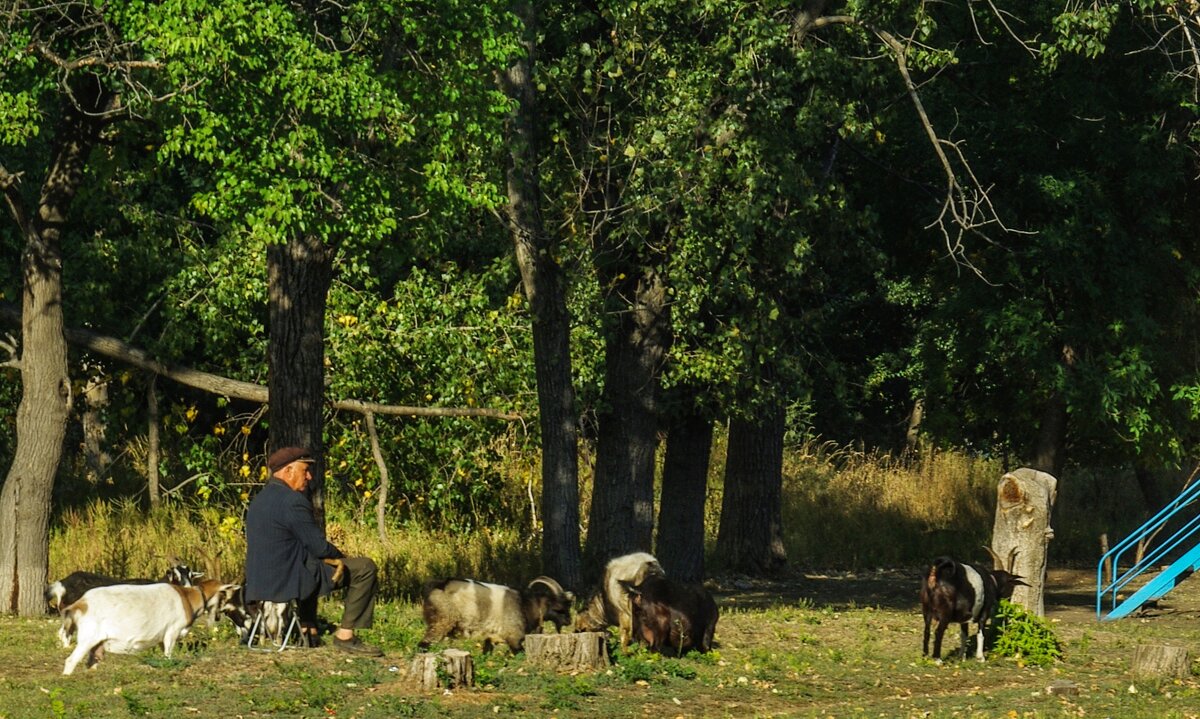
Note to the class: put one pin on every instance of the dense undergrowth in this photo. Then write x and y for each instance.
(842, 509)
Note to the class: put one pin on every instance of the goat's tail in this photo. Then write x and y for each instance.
(943, 569)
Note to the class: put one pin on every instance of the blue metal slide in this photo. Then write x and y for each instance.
(1179, 552)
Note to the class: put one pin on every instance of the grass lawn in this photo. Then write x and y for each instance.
(811, 645)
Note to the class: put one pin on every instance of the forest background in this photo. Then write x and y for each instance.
(540, 268)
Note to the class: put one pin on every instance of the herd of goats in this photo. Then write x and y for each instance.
(126, 616)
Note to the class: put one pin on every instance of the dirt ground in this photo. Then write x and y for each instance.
(1070, 593)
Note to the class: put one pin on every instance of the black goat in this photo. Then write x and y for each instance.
(66, 591)
(672, 617)
(962, 593)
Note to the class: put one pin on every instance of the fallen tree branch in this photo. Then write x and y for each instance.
(216, 384)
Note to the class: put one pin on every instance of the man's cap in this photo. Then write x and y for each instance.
(281, 458)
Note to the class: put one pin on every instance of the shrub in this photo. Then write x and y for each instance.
(1024, 636)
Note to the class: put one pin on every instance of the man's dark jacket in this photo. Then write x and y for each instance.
(285, 546)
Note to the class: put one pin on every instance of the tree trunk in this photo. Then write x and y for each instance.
(622, 516)
(1049, 451)
(912, 435)
(575, 652)
(152, 420)
(450, 668)
(95, 402)
(750, 538)
(680, 542)
(1024, 501)
(46, 387)
(545, 289)
(298, 277)
(1156, 661)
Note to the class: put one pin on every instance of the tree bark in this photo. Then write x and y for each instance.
(451, 668)
(1050, 447)
(575, 652)
(545, 290)
(1024, 502)
(1152, 661)
(298, 277)
(45, 384)
(152, 420)
(680, 540)
(622, 515)
(750, 538)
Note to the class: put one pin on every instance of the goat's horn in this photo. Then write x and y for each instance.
(997, 563)
(549, 582)
(1012, 559)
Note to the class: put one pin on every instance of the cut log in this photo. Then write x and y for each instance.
(1024, 500)
(582, 651)
(451, 668)
(1160, 660)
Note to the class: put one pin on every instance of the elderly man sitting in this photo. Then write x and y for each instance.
(286, 549)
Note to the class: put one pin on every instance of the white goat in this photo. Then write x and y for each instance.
(129, 618)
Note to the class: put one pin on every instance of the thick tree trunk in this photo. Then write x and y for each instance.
(912, 435)
(1024, 502)
(680, 540)
(1050, 447)
(750, 538)
(298, 277)
(622, 516)
(46, 387)
(545, 289)
(95, 402)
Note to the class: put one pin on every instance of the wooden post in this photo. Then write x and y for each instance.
(1024, 501)
(1160, 660)
(452, 668)
(581, 651)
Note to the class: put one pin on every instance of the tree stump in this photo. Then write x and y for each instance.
(1024, 500)
(581, 651)
(1160, 660)
(450, 668)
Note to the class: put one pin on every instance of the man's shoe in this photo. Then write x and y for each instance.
(354, 645)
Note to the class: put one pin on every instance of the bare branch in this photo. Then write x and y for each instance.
(966, 206)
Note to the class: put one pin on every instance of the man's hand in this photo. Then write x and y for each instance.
(339, 568)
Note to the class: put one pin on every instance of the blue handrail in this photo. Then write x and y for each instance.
(1153, 557)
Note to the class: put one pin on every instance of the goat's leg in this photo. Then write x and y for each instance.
(82, 650)
(437, 630)
(925, 642)
(982, 626)
(937, 637)
(964, 632)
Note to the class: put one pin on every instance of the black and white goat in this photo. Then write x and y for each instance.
(954, 592)
(498, 614)
(611, 603)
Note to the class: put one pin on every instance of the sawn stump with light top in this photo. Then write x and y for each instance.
(450, 668)
(582, 651)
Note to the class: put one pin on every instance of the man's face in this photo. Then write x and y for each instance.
(296, 475)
